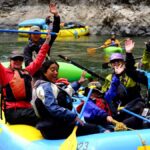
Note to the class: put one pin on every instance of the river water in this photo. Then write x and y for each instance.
(74, 48)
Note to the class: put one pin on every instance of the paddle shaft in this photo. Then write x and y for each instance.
(87, 70)
(104, 46)
(28, 32)
(87, 98)
(136, 115)
(97, 47)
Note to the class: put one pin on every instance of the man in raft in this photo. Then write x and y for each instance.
(35, 40)
(112, 41)
(16, 86)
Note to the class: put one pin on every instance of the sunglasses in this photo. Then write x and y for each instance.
(117, 63)
(17, 59)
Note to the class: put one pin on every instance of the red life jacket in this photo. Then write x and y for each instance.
(18, 92)
(101, 103)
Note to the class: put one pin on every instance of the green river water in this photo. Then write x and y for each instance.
(74, 48)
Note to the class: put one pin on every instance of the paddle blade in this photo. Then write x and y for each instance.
(71, 142)
(91, 50)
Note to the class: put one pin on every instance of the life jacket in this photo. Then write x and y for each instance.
(18, 90)
(64, 99)
(126, 91)
(101, 103)
(112, 43)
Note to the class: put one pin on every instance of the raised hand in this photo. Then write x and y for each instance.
(53, 9)
(129, 45)
(119, 69)
(82, 78)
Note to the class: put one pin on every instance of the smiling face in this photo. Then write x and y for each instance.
(16, 63)
(52, 73)
(35, 37)
(116, 63)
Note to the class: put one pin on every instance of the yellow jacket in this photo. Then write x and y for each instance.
(110, 42)
(146, 60)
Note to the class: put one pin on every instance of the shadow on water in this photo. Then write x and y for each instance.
(74, 48)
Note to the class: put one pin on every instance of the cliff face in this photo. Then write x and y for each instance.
(126, 17)
(8, 4)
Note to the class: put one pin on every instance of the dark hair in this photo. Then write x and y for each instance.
(47, 64)
(40, 73)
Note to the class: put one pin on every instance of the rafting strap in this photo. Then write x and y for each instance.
(119, 126)
(140, 137)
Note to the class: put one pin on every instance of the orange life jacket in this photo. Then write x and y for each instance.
(18, 90)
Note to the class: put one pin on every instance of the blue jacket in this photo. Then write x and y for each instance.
(55, 114)
(112, 91)
(93, 113)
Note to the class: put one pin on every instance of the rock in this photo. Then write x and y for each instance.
(124, 16)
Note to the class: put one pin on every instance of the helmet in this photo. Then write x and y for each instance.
(115, 56)
(113, 33)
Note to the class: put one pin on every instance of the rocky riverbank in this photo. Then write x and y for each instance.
(126, 19)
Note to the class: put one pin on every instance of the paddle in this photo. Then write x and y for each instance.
(93, 50)
(29, 32)
(106, 65)
(87, 70)
(71, 142)
(134, 114)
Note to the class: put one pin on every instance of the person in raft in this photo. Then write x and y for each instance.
(16, 86)
(139, 76)
(35, 40)
(112, 41)
(56, 119)
(97, 110)
(122, 90)
(144, 64)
